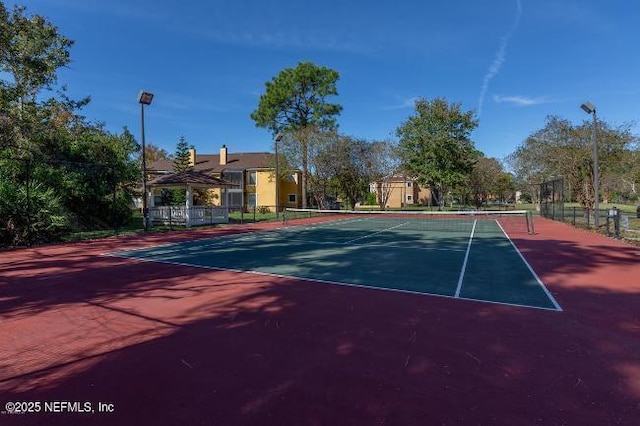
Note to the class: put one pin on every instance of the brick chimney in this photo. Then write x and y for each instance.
(223, 155)
(192, 157)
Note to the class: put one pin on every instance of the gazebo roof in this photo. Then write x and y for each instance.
(191, 178)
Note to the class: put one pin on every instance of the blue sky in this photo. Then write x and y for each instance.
(512, 61)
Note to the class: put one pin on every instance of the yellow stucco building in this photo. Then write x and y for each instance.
(400, 191)
(253, 176)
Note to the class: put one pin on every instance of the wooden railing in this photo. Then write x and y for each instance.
(196, 215)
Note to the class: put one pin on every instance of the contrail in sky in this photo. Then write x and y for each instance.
(499, 58)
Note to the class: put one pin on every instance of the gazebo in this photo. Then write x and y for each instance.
(188, 215)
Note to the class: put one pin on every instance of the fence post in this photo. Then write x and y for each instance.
(613, 216)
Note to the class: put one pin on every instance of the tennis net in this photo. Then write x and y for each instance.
(477, 221)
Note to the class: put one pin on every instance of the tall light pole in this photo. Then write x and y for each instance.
(144, 98)
(590, 108)
(278, 138)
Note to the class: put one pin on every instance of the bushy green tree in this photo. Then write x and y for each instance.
(435, 145)
(561, 148)
(59, 171)
(30, 212)
(295, 102)
(482, 181)
(31, 52)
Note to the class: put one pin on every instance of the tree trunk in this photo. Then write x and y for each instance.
(305, 170)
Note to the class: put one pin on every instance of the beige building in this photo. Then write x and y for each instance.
(400, 191)
(253, 174)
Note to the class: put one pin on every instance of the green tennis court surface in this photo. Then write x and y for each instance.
(467, 257)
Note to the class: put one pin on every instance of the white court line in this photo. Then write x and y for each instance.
(336, 243)
(321, 281)
(466, 259)
(544, 288)
(330, 223)
(375, 233)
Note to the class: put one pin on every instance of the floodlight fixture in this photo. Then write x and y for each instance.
(588, 107)
(145, 98)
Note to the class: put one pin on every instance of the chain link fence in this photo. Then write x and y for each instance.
(613, 221)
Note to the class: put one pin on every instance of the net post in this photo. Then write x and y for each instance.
(529, 219)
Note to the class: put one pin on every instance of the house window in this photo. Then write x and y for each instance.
(409, 184)
(292, 198)
(409, 197)
(252, 201)
(234, 199)
(233, 176)
(252, 177)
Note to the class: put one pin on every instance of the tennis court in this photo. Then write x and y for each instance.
(465, 255)
(169, 333)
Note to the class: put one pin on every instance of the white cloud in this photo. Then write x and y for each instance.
(279, 39)
(404, 104)
(500, 58)
(520, 100)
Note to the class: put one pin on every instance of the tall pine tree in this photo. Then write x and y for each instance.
(181, 161)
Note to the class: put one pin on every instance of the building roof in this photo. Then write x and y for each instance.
(211, 162)
(192, 177)
(397, 178)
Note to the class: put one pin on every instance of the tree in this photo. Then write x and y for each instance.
(76, 175)
(353, 173)
(630, 172)
(154, 153)
(383, 164)
(319, 172)
(483, 181)
(295, 102)
(563, 149)
(435, 146)
(505, 186)
(57, 170)
(31, 51)
(320, 184)
(29, 211)
(181, 159)
(346, 162)
(181, 163)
